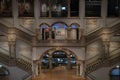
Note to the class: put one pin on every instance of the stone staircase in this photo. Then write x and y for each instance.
(102, 62)
(20, 63)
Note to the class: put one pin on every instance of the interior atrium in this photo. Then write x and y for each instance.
(59, 39)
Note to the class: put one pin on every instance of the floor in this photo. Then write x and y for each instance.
(59, 73)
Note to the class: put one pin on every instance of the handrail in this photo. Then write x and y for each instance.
(115, 50)
(91, 76)
(27, 77)
(96, 29)
(22, 34)
(26, 29)
(94, 58)
(4, 49)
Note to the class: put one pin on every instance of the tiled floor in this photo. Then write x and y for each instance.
(59, 73)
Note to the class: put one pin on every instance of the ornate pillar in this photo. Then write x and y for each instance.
(34, 61)
(50, 61)
(12, 43)
(106, 48)
(35, 68)
(50, 33)
(106, 42)
(69, 64)
(39, 68)
(82, 69)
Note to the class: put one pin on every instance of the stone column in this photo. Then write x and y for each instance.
(39, 68)
(69, 64)
(68, 33)
(106, 42)
(78, 68)
(82, 69)
(106, 48)
(104, 11)
(35, 69)
(12, 49)
(12, 42)
(50, 33)
(50, 61)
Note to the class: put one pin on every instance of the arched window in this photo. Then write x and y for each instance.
(44, 5)
(44, 29)
(115, 73)
(74, 32)
(59, 31)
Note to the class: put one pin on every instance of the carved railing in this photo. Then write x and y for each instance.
(24, 65)
(3, 28)
(26, 30)
(27, 77)
(24, 36)
(27, 66)
(90, 77)
(97, 34)
(20, 34)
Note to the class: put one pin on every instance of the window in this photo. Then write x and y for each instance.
(5, 8)
(92, 8)
(113, 8)
(44, 8)
(26, 8)
(59, 8)
(74, 8)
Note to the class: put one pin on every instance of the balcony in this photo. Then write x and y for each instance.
(61, 43)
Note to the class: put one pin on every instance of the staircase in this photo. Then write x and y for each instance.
(20, 63)
(19, 33)
(98, 34)
(101, 62)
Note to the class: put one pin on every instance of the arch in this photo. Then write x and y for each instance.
(44, 24)
(74, 31)
(76, 24)
(59, 31)
(45, 31)
(52, 50)
(59, 22)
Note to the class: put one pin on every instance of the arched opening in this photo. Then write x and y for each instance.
(59, 31)
(58, 58)
(44, 29)
(115, 73)
(74, 31)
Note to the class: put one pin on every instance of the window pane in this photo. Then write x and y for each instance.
(74, 8)
(92, 8)
(5, 8)
(26, 8)
(44, 8)
(113, 8)
(59, 8)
